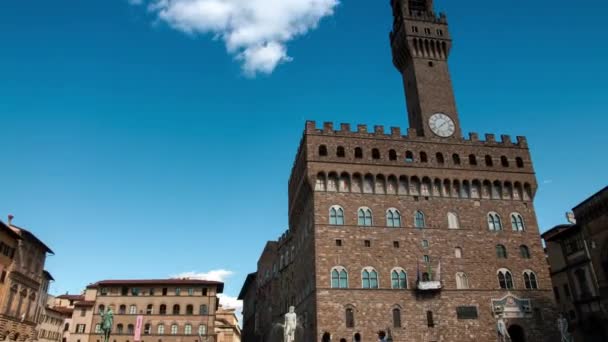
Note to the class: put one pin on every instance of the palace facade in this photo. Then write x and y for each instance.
(420, 235)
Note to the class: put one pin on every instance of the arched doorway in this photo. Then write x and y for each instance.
(517, 333)
(326, 337)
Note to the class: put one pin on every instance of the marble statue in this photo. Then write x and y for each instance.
(562, 325)
(501, 326)
(107, 320)
(291, 322)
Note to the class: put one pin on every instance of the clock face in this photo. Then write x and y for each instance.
(442, 125)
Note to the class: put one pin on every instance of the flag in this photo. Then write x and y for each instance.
(138, 324)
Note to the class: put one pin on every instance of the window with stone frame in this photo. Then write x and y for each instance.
(393, 218)
(505, 279)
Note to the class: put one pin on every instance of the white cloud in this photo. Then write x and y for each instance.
(214, 275)
(256, 32)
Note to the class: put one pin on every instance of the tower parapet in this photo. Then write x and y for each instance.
(394, 133)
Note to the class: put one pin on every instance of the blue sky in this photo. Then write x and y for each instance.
(137, 149)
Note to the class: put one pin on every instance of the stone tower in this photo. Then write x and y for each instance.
(421, 45)
(425, 235)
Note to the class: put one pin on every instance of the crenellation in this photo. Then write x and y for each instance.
(395, 132)
(311, 126)
(412, 132)
(522, 142)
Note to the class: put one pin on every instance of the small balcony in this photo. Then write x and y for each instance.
(428, 285)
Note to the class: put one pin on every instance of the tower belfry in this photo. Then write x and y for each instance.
(421, 45)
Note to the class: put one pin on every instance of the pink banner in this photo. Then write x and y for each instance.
(138, 326)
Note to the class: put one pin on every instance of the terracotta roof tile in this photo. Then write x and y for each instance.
(144, 282)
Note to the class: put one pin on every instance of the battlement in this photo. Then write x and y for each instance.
(379, 132)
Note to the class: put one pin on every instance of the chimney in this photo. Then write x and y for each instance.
(10, 219)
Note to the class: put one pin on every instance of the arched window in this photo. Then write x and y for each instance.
(494, 222)
(501, 252)
(122, 310)
(453, 221)
(369, 278)
(132, 310)
(326, 337)
(368, 184)
(188, 329)
(203, 309)
(364, 217)
(530, 280)
(423, 157)
(358, 153)
(440, 159)
(409, 157)
(519, 162)
(375, 153)
(396, 318)
(462, 281)
(489, 161)
(458, 253)
(130, 329)
(120, 329)
(174, 329)
(176, 309)
(504, 161)
(419, 219)
(147, 329)
(320, 182)
(163, 309)
(344, 183)
(160, 329)
(398, 279)
(323, 151)
(524, 251)
(336, 216)
(392, 155)
(505, 279)
(472, 160)
(202, 329)
(101, 309)
(189, 309)
(350, 318)
(339, 278)
(393, 218)
(332, 182)
(149, 309)
(456, 159)
(340, 152)
(517, 222)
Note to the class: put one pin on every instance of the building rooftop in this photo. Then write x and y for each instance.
(9, 231)
(558, 231)
(71, 297)
(24, 233)
(147, 282)
(248, 281)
